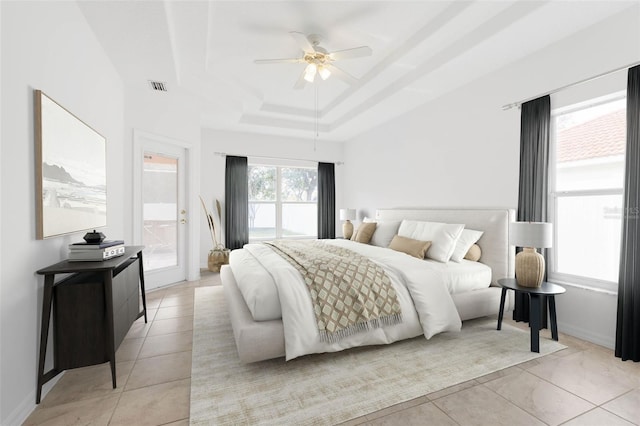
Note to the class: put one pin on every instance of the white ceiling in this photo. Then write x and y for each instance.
(421, 50)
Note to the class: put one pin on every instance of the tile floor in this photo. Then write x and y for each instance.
(581, 385)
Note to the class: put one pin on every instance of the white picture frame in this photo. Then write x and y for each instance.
(71, 178)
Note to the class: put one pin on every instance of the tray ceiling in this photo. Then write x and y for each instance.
(421, 50)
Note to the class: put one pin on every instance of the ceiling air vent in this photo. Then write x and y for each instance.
(158, 85)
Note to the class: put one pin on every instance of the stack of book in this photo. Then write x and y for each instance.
(92, 252)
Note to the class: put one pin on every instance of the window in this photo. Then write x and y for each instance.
(586, 187)
(282, 202)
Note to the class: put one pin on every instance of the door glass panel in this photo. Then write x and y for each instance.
(160, 211)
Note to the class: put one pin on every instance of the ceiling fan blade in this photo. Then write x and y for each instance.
(301, 83)
(356, 52)
(279, 61)
(341, 74)
(303, 42)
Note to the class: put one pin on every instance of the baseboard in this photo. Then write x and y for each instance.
(589, 336)
(579, 332)
(22, 411)
(28, 404)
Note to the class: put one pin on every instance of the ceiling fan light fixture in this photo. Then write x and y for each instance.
(310, 72)
(318, 59)
(324, 73)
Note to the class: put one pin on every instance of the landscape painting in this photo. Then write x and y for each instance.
(71, 178)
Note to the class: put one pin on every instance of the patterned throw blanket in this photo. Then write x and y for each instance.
(349, 292)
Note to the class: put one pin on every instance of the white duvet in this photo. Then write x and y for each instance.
(427, 307)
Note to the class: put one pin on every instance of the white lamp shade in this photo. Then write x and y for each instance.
(347, 214)
(531, 234)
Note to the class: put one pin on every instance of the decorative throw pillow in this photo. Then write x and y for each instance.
(468, 238)
(443, 236)
(410, 246)
(474, 254)
(364, 232)
(385, 231)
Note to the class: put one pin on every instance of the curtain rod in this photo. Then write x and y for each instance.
(517, 104)
(224, 154)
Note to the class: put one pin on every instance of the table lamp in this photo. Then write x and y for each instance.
(347, 227)
(529, 263)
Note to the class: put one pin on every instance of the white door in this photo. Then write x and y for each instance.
(163, 206)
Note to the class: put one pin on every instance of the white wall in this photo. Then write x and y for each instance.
(427, 158)
(47, 46)
(248, 144)
(463, 150)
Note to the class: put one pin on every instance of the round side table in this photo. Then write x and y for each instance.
(538, 297)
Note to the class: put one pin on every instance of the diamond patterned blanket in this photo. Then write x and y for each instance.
(349, 292)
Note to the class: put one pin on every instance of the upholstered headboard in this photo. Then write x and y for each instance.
(496, 251)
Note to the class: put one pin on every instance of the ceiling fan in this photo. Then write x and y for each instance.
(318, 60)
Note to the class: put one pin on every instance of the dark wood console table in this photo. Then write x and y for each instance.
(93, 309)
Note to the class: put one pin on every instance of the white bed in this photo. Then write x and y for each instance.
(265, 338)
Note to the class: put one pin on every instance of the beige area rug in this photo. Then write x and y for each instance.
(333, 388)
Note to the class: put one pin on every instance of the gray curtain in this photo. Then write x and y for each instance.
(326, 200)
(535, 119)
(236, 190)
(628, 320)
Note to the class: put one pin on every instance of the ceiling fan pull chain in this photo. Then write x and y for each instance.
(315, 139)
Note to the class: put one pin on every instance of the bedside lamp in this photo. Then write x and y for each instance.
(529, 263)
(347, 227)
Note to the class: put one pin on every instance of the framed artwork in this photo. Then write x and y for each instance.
(71, 172)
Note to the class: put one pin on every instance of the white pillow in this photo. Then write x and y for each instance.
(385, 231)
(468, 237)
(443, 236)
